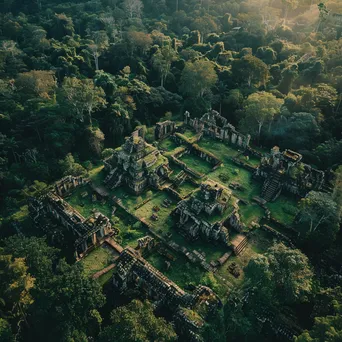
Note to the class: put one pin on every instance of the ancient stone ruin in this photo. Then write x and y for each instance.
(213, 125)
(164, 129)
(205, 212)
(136, 164)
(133, 271)
(285, 170)
(88, 232)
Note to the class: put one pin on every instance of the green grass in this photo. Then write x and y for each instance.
(85, 205)
(186, 188)
(260, 240)
(105, 278)
(168, 144)
(250, 212)
(284, 209)
(97, 175)
(221, 150)
(176, 169)
(196, 163)
(212, 251)
(163, 223)
(182, 272)
(189, 134)
(97, 260)
(250, 160)
(239, 175)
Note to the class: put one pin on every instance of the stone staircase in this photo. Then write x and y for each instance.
(239, 243)
(180, 178)
(271, 188)
(113, 179)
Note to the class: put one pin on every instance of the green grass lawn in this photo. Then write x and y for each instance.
(168, 144)
(105, 278)
(250, 212)
(284, 209)
(234, 173)
(189, 134)
(186, 188)
(175, 168)
(259, 241)
(85, 205)
(182, 272)
(146, 211)
(97, 175)
(250, 160)
(97, 260)
(221, 150)
(196, 163)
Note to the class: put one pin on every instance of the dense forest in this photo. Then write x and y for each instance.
(77, 77)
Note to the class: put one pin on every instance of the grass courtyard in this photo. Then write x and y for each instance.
(196, 163)
(221, 150)
(97, 260)
(186, 188)
(168, 145)
(145, 212)
(284, 209)
(151, 202)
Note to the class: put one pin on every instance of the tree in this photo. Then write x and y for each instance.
(39, 256)
(66, 306)
(337, 190)
(95, 138)
(251, 70)
(36, 83)
(70, 167)
(323, 14)
(288, 76)
(204, 24)
(281, 277)
(82, 97)
(327, 328)
(198, 77)
(162, 60)
(137, 322)
(133, 7)
(292, 4)
(329, 152)
(5, 331)
(318, 219)
(298, 131)
(138, 41)
(16, 285)
(100, 43)
(260, 108)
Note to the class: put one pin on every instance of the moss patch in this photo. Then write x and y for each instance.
(96, 260)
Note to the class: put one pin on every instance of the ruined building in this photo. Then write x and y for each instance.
(214, 125)
(88, 232)
(285, 170)
(136, 164)
(164, 129)
(205, 213)
(133, 271)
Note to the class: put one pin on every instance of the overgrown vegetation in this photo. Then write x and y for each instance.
(77, 77)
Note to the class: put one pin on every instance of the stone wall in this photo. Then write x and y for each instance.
(164, 129)
(88, 232)
(212, 124)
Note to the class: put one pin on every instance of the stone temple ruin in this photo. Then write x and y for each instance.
(206, 212)
(213, 125)
(88, 232)
(133, 271)
(285, 170)
(164, 129)
(137, 165)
